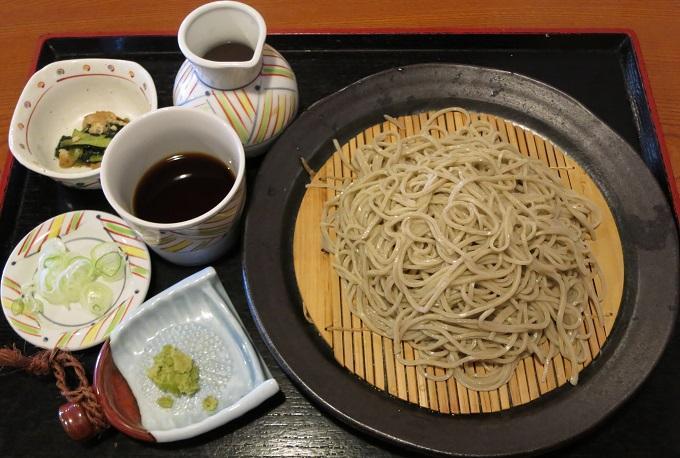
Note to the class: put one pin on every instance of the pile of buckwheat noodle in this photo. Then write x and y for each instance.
(465, 249)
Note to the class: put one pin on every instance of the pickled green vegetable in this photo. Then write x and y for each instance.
(87, 145)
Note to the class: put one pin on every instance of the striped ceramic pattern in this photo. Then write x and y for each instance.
(204, 234)
(70, 227)
(259, 111)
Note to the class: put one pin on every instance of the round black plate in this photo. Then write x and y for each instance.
(646, 226)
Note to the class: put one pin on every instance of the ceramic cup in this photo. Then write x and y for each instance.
(220, 22)
(154, 137)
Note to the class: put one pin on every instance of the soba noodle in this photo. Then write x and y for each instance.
(465, 249)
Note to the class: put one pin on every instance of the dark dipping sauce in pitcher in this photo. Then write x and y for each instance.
(230, 51)
(181, 187)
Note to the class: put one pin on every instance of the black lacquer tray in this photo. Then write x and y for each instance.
(600, 70)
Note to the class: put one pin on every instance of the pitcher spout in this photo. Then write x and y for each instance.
(224, 41)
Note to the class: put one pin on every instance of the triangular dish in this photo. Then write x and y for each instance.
(196, 316)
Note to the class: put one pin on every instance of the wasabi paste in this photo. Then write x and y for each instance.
(210, 403)
(174, 371)
(165, 402)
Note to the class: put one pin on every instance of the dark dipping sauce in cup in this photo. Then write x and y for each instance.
(229, 51)
(181, 187)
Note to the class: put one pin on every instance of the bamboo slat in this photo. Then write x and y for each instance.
(374, 358)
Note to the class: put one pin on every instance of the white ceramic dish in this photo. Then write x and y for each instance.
(56, 99)
(258, 97)
(196, 316)
(75, 328)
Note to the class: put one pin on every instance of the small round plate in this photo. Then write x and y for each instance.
(73, 328)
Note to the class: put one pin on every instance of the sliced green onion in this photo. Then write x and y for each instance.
(47, 286)
(96, 297)
(30, 302)
(63, 277)
(17, 307)
(110, 266)
(54, 261)
(52, 246)
(71, 280)
(103, 248)
(29, 289)
(37, 306)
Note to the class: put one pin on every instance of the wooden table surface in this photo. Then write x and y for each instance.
(656, 24)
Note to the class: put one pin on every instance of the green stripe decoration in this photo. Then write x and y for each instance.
(268, 70)
(8, 282)
(119, 315)
(7, 302)
(120, 229)
(245, 102)
(28, 329)
(29, 241)
(63, 340)
(75, 219)
(139, 270)
(264, 120)
(232, 115)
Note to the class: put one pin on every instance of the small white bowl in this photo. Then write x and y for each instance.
(57, 98)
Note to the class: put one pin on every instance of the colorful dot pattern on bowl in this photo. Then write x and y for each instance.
(86, 70)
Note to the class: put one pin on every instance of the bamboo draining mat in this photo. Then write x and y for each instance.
(371, 356)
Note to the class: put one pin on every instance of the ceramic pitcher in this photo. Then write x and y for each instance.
(258, 97)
